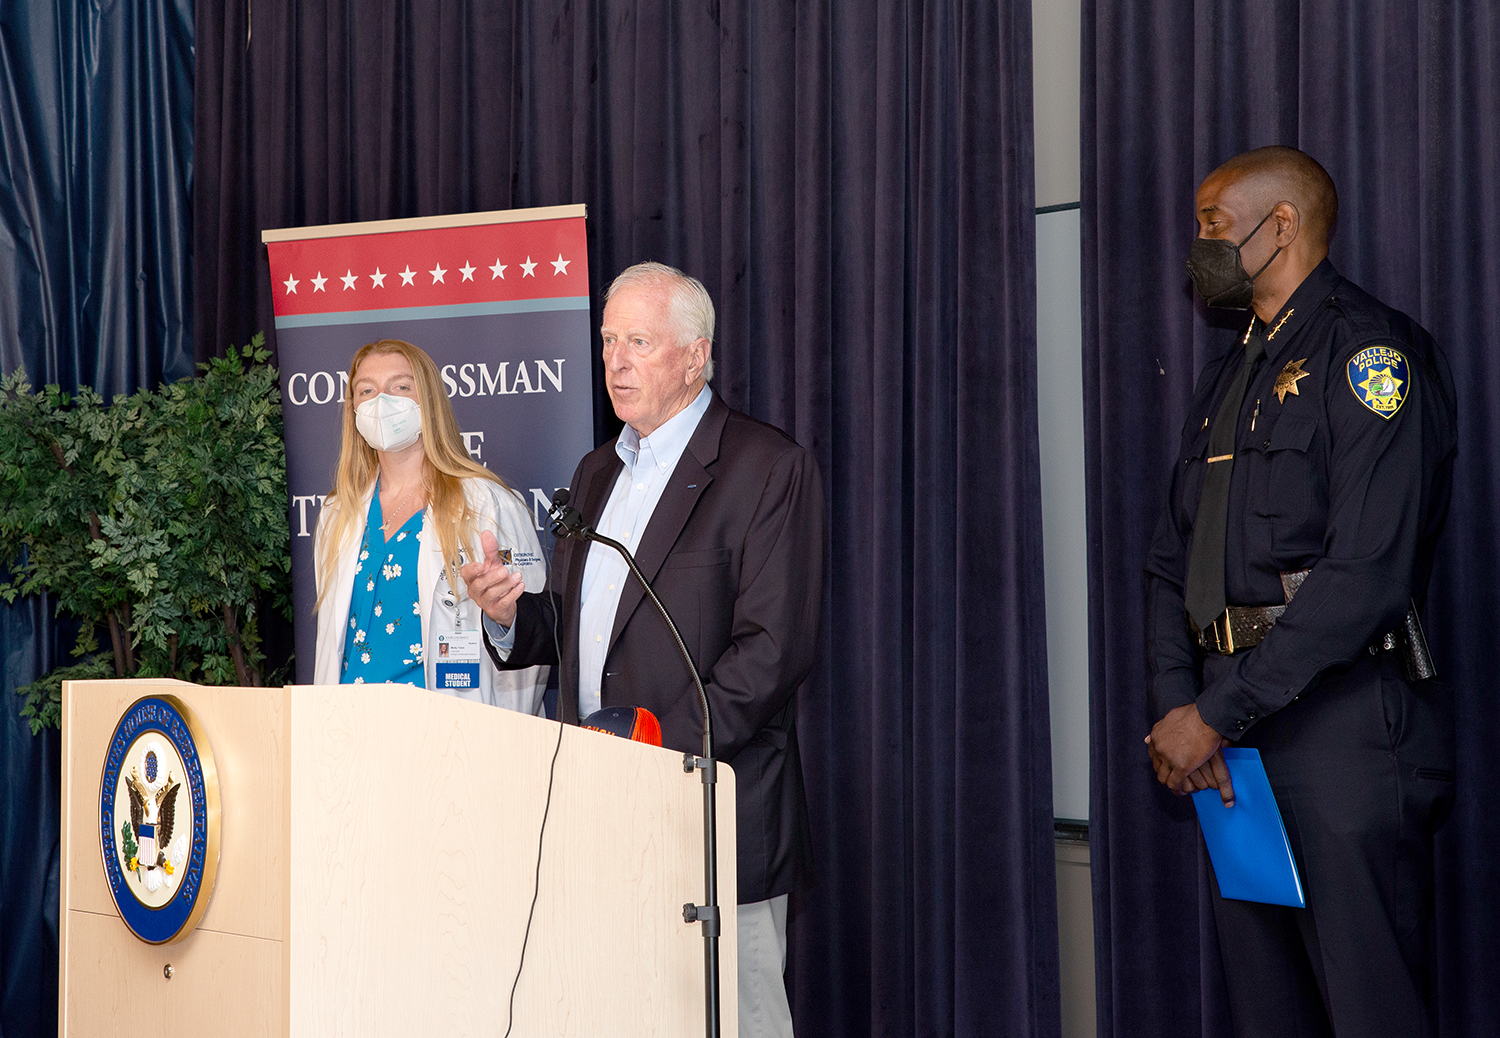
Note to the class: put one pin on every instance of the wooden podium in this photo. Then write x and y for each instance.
(378, 849)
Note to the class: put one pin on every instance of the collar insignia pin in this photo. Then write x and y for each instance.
(1284, 318)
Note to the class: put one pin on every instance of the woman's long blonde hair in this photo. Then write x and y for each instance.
(448, 464)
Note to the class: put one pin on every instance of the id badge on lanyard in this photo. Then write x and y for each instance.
(458, 660)
(458, 650)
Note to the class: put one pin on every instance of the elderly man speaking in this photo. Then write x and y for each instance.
(724, 515)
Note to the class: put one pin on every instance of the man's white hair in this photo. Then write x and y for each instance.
(692, 311)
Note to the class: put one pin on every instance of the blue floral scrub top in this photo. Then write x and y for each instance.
(384, 639)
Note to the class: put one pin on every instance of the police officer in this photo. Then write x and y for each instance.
(1284, 579)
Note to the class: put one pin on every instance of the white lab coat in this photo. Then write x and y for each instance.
(504, 514)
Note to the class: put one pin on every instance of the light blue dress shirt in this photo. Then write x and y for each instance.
(649, 463)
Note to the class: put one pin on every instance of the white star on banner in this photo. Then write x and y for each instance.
(437, 273)
(291, 285)
(528, 269)
(407, 275)
(348, 279)
(498, 270)
(377, 279)
(319, 281)
(467, 270)
(560, 265)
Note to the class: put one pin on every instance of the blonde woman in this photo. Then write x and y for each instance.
(406, 511)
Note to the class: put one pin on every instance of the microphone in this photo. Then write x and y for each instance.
(567, 521)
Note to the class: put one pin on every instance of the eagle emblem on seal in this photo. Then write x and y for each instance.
(150, 850)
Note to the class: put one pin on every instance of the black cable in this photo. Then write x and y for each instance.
(536, 882)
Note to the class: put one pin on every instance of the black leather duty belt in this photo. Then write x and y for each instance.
(1244, 627)
(1238, 629)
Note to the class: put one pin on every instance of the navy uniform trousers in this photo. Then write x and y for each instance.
(1352, 766)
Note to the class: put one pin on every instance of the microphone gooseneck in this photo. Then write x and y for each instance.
(568, 521)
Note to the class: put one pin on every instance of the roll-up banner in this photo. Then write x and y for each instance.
(501, 302)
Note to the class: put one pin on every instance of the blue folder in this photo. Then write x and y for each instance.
(1247, 843)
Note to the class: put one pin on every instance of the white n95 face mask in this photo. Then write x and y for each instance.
(389, 423)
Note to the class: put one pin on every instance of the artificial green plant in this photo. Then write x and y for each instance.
(158, 520)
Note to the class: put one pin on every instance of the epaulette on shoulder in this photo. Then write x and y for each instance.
(1372, 321)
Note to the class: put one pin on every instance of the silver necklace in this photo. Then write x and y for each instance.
(385, 527)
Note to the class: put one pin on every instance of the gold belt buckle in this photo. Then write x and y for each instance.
(1223, 634)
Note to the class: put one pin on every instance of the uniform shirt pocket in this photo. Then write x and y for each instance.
(1279, 484)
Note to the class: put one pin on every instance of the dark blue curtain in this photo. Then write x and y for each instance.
(96, 130)
(1401, 102)
(29, 833)
(853, 182)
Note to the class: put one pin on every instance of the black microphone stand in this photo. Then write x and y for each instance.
(569, 522)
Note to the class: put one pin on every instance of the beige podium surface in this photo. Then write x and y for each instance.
(378, 853)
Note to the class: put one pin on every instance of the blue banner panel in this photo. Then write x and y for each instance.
(501, 303)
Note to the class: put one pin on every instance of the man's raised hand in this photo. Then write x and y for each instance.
(491, 584)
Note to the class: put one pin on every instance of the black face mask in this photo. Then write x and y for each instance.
(1219, 275)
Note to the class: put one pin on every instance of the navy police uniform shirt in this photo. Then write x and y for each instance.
(1343, 465)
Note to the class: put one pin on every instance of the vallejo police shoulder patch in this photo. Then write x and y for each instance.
(159, 819)
(1379, 377)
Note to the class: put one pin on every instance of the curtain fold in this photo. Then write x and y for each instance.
(96, 130)
(1399, 101)
(853, 183)
(96, 155)
(29, 831)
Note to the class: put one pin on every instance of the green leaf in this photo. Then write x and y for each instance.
(161, 508)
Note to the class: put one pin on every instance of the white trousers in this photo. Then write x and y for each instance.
(764, 1010)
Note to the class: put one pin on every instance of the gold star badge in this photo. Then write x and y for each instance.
(1286, 382)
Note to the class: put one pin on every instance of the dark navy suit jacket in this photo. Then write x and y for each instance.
(734, 551)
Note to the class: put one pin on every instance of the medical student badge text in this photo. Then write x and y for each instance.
(458, 659)
(159, 819)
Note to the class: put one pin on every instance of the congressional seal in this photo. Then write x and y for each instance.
(159, 819)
